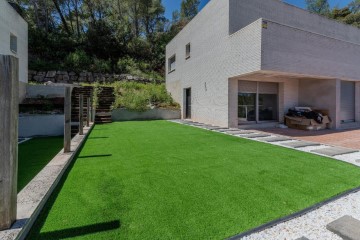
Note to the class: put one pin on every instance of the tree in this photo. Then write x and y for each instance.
(321, 7)
(355, 6)
(189, 9)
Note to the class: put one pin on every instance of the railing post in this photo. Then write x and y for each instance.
(81, 114)
(9, 111)
(67, 124)
(88, 112)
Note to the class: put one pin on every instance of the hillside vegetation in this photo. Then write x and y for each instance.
(127, 36)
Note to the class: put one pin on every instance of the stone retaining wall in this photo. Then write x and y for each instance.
(83, 77)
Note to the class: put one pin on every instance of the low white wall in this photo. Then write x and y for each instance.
(153, 114)
(33, 91)
(41, 125)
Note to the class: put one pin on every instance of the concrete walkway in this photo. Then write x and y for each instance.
(312, 225)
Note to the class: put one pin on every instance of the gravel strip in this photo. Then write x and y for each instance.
(313, 225)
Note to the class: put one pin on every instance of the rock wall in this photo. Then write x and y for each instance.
(84, 77)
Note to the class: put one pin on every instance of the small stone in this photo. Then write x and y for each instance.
(39, 78)
(51, 74)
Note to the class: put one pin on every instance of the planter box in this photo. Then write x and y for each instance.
(153, 114)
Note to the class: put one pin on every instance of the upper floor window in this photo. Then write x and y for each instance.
(188, 51)
(13, 43)
(172, 63)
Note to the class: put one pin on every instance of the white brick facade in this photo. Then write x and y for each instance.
(257, 40)
(12, 23)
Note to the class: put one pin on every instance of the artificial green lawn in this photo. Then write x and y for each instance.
(34, 155)
(162, 180)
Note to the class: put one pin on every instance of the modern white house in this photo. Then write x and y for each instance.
(14, 40)
(242, 62)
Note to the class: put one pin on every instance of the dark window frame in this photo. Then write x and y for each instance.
(188, 51)
(13, 43)
(170, 63)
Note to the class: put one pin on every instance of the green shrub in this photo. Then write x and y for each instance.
(101, 66)
(78, 61)
(141, 97)
(95, 97)
(138, 68)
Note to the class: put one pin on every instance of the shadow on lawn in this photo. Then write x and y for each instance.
(80, 231)
(35, 232)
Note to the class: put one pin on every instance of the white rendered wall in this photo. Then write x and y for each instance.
(215, 57)
(287, 49)
(12, 23)
(288, 40)
(244, 12)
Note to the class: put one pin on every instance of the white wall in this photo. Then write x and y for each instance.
(244, 12)
(321, 94)
(288, 49)
(41, 125)
(34, 91)
(12, 22)
(228, 41)
(215, 56)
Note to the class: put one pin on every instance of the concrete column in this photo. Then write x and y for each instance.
(233, 116)
(67, 126)
(88, 112)
(9, 111)
(81, 114)
(281, 102)
(357, 101)
(337, 122)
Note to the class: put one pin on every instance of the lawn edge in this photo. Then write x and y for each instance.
(293, 215)
(22, 226)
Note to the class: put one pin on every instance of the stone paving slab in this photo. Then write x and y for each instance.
(222, 129)
(346, 227)
(334, 151)
(301, 144)
(257, 135)
(234, 130)
(240, 132)
(302, 238)
(213, 128)
(276, 139)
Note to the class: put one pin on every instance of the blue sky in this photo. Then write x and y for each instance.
(172, 5)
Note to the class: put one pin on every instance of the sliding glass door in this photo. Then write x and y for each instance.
(247, 107)
(257, 102)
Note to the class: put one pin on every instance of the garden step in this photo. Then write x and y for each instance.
(301, 144)
(345, 227)
(334, 151)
